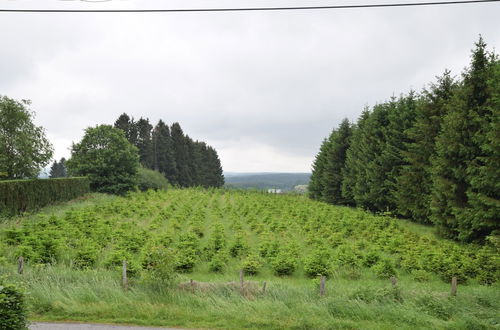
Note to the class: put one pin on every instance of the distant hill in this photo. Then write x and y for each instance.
(283, 181)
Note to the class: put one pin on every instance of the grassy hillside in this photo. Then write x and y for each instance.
(264, 181)
(74, 254)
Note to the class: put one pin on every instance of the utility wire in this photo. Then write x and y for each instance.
(381, 5)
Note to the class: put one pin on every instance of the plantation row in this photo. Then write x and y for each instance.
(192, 229)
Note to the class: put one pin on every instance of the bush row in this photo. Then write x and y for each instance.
(17, 196)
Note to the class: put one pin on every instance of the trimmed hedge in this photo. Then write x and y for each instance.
(17, 196)
(12, 308)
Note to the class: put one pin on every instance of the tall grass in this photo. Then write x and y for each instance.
(61, 293)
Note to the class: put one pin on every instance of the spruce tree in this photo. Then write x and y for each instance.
(181, 155)
(333, 173)
(459, 151)
(316, 183)
(484, 193)
(128, 126)
(145, 143)
(164, 160)
(58, 169)
(414, 182)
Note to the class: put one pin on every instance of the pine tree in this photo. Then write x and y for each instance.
(164, 160)
(414, 183)
(333, 173)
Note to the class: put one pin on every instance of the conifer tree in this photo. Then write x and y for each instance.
(58, 169)
(164, 160)
(181, 155)
(414, 183)
(215, 177)
(316, 183)
(333, 173)
(145, 143)
(484, 194)
(128, 126)
(459, 153)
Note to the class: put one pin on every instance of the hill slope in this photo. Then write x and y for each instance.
(74, 255)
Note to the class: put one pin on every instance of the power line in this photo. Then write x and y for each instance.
(382, 5)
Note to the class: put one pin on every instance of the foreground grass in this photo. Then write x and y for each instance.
(58, 293)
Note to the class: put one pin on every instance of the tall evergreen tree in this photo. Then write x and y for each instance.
(484, 193)
(145, 143)
(215, 177)
(459, 153)
(316, 184)
(164, 160)
(333, 173)
(181, 155)
(414, 183)
(58, 169)
(127, 125)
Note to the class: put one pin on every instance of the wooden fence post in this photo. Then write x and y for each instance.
(454, 286)
(192, 285)
(241, 279)
(394, 281)
(264, 287)
(322, 285)
(124, 275)
(20, 265)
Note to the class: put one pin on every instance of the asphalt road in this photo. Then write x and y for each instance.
(87, 326)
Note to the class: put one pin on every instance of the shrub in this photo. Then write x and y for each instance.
(239, 246)
(284, 263)
(149, 179)
(317, 263)
(251, 265)
(17, 196)
(12, 308)
(218, 261)
(421, 275)
(158, 263)
(384, 268)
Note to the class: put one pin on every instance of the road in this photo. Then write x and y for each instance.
(87, 326)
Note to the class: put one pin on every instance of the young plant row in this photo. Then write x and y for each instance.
(165, 232)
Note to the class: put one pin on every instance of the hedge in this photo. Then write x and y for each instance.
(12, 308)
(17, 196)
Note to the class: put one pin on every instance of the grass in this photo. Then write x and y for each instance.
(58, 293)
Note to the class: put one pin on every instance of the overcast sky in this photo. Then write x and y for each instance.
(263, 88)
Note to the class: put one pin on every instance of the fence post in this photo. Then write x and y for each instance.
(454, 286)
(322, 285)
(241, 279)
(394, 281)
(264, 287)
(20, 265)
(124, 275)
(192, 285)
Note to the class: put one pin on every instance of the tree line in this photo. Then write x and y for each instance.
(432, 157)
(183, 161)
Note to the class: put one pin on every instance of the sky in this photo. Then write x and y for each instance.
(263, 88)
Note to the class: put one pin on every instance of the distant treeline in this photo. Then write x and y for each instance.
(184, 162)
(433, 157)
(283, 181)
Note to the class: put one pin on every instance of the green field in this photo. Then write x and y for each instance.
(74, 254)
